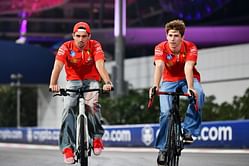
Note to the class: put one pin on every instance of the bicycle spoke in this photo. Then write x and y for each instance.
(172, 157)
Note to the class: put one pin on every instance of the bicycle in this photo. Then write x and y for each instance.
(84, 145)
(175, 135)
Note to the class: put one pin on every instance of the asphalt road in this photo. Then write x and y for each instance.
(36, 156)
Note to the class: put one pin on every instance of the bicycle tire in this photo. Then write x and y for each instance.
(172, 159)
(83, 151)
(179, 141)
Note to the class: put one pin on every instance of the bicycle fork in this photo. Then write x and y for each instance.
(82, 117)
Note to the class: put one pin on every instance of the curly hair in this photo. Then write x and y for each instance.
(175, 25)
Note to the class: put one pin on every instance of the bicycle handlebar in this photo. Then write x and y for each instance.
(173, 93)
(177, 93)
(63, 92)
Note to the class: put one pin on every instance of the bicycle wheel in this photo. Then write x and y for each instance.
(83, 151)
(179, 141)
(171, 157)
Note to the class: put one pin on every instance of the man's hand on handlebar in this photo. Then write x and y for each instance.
(192, 92)
(152, 91)
(60, 92)
(54, 88)
(108, 86)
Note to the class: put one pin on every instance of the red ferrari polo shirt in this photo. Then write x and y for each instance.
(80, 65)
(174, 65)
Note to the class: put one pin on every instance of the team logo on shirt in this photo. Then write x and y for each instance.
(169, 57)
(89, 59)
(74, 60)
(88, 51)
(72, 53)
(169, 62)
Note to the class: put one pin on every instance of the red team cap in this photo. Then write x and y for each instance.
(81, 27)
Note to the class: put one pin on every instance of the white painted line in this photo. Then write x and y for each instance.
(244, 151)
(29, 146)
(186, 150)
(128, 149)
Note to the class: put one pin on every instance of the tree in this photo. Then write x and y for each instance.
(7, 108)
(210, 109)
(129, 109)
(241, 105)
(8, 111)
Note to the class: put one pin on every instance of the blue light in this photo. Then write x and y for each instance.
(180, 15)
(192, 9)
(189, 17)
(198, 15)
(208, 9)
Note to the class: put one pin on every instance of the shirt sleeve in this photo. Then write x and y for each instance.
(98, 51)
(158, 52)
(192, 52)
(61, 53)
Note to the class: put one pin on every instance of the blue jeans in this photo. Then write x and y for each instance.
(68, 126)
(192, 120)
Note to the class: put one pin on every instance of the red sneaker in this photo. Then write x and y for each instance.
(97, 146)
(68, 156)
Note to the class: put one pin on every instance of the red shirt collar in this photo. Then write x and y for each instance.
(182, 50)
(87, 46)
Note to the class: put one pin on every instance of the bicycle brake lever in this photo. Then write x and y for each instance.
(194, 100)
(192, 95)
(63, 92)
(151, 99)
(102, 91)
(153, 92)
(57, 94)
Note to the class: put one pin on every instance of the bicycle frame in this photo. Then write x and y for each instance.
(174, 141)
(174, 132)
(82, 138)
(83, 147)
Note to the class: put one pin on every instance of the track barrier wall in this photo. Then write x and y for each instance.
(217, 134)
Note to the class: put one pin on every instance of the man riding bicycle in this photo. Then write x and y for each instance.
(175, 61)
(83, 59)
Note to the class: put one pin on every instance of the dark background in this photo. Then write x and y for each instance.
(51, 26)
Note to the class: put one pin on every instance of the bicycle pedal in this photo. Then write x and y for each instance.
(187, 142)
